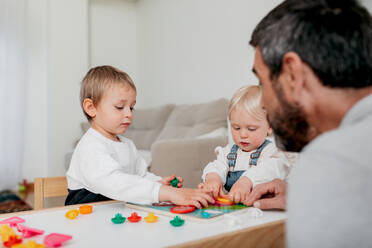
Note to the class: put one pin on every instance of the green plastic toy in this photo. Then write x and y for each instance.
(175, 182)
(118, 219)
(177, 221)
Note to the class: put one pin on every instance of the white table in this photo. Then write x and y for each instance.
(97, 230)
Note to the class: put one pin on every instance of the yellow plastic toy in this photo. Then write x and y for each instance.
(151, 218)
(72, 214)
(224, 201)
(6, 232)
(29, 244)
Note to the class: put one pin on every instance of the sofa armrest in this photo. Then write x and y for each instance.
(184, 157)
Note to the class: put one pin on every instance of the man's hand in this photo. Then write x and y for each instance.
(213, 185)
(271, 195)
(167, 180)
(185, 196)
(240, 190)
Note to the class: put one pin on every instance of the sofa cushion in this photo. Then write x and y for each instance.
(190, 121)
(147, 125)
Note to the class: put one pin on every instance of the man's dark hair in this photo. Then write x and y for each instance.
(334, 37)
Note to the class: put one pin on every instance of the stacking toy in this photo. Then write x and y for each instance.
(177, 221)
(118, 219)
(134, 217)
(151, 218)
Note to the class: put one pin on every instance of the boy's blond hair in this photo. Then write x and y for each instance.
(99, 79)
(248, 98)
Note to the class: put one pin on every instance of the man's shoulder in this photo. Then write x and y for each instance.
(348, 143)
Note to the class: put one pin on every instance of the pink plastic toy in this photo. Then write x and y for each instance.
(13, 221)
(56, 239)
(28, 232)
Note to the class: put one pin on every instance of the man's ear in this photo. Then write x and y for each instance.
(89, 107)
(293, 76)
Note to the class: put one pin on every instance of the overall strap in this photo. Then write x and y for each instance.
(255, 155)
(231, 157)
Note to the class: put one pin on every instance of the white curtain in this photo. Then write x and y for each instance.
(12, 91)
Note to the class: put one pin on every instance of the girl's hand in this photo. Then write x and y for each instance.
(213, 185)
(167, 180)
(240, 190)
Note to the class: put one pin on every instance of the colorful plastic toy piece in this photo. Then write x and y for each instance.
(151, 218)
(118, 219)
(205, 215)
(134, 217)
(12, 240)
(182, 209)
(13, 221)
(29, 244)
(28, 232)
(72, 214)
(6, 232)
(220, 201)
(177, 221)
(56, 239)
(175, 182)
(86, 209)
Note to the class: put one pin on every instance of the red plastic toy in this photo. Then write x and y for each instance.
(28, 232)
(182, 209)
(134, 217)
(13, 240)
(56, 239)
(13, 221)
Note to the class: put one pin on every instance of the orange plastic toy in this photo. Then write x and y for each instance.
(151, 218)
(85, 209)
(72, 214)
(134, 217)
(224, 202)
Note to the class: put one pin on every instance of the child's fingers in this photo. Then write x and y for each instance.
(180, 179)
(202, 201)
(222, 194)
(237, 197)
(195, 203)
(215, 192)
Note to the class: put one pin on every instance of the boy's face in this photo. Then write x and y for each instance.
(247, 132)
(114, 112)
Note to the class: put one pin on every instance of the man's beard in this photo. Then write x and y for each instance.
(291, 129)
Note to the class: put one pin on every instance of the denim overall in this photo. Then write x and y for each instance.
(233, 176)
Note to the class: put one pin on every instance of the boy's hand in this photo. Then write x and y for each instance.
(167, 180)
(213, 185)
(185, 196)
(240, 190)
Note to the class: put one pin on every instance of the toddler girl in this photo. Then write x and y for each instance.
(252, 159)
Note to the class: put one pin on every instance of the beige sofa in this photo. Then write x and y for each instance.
(180, 139)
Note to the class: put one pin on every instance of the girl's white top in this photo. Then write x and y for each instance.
(113, 169)
(271, 164)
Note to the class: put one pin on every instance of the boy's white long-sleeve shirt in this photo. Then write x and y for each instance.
(113, 169)
(271, 164)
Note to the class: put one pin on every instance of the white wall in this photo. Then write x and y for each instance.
(195, 51)
(177, 51)
(57, 39)
(35, 158)
(113, 34)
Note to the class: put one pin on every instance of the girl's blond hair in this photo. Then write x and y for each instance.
(100, 78)
(248, 98)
